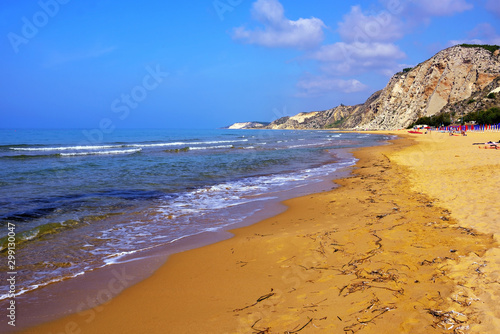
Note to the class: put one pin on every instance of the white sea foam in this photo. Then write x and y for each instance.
(32, 287)
(106, 147)
(66, 148)
(101, 152)
(210, 147)
(205, 201)
(187, 143)
(307, 145)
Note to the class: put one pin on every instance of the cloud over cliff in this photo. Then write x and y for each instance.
(277, 31)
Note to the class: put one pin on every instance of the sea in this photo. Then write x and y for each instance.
(78, 201)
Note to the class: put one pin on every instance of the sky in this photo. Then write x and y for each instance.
(209, 63)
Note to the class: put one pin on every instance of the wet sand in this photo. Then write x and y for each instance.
(393, 250)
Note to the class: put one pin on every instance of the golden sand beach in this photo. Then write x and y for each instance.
(407, 244)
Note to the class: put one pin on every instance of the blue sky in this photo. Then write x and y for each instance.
(207, 64)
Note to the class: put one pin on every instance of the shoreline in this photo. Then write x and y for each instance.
(77, 294)
(178, 196)
(301, 264)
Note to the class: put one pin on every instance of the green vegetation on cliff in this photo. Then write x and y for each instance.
(491, 48)
(490, 116)
(336, 124)
(435, 120)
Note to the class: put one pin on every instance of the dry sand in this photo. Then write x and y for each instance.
(406, 245)
(464, 178)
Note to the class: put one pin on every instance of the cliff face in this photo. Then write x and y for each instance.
(451, 76)
(313, 120)
(449, 79)
(482, 100)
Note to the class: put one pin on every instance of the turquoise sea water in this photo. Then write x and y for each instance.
(80, 200)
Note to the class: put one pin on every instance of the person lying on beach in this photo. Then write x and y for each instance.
(491, 146)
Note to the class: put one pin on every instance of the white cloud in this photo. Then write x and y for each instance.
(358, 57)
(268, 12)
(359, 51)
(313, 86)
(483, 33)
(493, 6)
(279, 31)
(367, 44)
(381, 27)
(443, 7)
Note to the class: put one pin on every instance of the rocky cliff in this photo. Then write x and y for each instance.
(449, 77)
(449, 80)
(484, 99)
